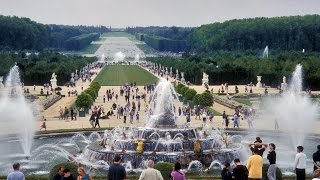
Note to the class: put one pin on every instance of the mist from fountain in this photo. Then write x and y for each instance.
(294, 111)
(137, 58)
(162, 105)
(119, 57)
(265, 53)
(16, 113)
(102, 58)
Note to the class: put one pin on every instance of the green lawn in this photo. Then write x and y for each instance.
(244, 101)
(116, 75)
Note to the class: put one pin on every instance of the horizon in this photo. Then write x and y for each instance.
(142, 13)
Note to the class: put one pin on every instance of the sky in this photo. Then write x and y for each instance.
(123, 13)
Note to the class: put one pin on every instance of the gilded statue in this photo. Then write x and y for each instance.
(197, 146)
(140, 146)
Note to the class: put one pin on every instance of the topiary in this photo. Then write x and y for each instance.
(184, 90)
(196, 99)
(68, 165)
(189, 94)
(206, 99)
(265, 171)
(179, 87)
(92, 93)
(165, 168)
(84, 100)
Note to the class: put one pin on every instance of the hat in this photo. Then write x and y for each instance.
(236, 160)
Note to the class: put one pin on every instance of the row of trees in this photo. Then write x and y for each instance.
(79, 42)
(24, 34)
(190, 96)
(174, 33)
(38, 68)
(164, 44)
(87, 97)
(243, 67)
(284, 33)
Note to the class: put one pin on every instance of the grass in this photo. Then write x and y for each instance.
(244, 101)
(116, 75)
(146, 49)
(116, 34)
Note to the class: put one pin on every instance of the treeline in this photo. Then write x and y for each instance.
(164, 44)
(283, 33)
(38, 68)
(79, 42)
(24, 34)
(243, 67)
(174, 33)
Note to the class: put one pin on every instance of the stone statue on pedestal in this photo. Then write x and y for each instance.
(1, 82)
(177, 75)
(182, 78)
(205, 79)
(53, 80)
(259, 84)
(284, 85)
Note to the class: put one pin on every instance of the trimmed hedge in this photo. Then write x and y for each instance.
(165, 168)
(190, 94)
(84, 100)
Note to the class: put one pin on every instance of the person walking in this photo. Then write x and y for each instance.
(116, 171)
(104, 98)
(225, 119)
(71, 113)
(97, 122)
(300, 163)
(16, 174)
(131, 116)
(176, 173)
(272, 160)
(240, 172)
(235, 120)
(44, 125)
(137, 116)
(254, 166)
(150, 173)
(316, 159)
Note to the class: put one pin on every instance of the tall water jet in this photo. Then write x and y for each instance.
(162, 105)
(137, 57)
(15, 111)
(265, 53)
(102, 58)
(293, 111)
(119, 56)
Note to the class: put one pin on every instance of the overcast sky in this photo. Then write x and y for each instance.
(122, 13)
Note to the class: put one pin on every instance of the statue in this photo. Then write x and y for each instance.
(177, 75)
(140, 146)
(54, 76)
(182, 78)
(53, 80)
(284, 85)
(205, 80)
(197, 146)
(259, 84)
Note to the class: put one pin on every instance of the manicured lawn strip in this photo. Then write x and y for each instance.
(116, 75)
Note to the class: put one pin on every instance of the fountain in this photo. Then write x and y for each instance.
(265, 53)
(137, 58)
(294, 111)
(119, 57)
(102, 58)
(16, 113)
(162, 139)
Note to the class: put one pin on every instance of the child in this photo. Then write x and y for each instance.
(44, 126)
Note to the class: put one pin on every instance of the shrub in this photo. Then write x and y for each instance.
(95, 85)
(92, 93)
(189, 94)
(206, 99)
(73, 168)
(196, 99)
(84, 100)
(165, 168)
(265, 171)
(184, 90)
(179, 87)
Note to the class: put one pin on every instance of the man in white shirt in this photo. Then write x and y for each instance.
(300, 164)
(150, 173)
(16, 174)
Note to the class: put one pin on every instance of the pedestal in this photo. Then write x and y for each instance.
(53, 83)
(259, 84)
(205, 81)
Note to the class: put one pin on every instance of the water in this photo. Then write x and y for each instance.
(16, 113)
(265, 53)
(119, 57)
(102, 58)
(137, 57)
(162, 105)
(294, 110)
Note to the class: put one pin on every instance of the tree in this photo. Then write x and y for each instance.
(84, 100)
(189, 94)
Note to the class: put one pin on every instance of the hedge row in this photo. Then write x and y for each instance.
(204, 99)
(88, 96)
(163, 44)
(80, 42)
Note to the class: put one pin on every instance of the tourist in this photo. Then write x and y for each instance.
(82, 175)
(254, 165)
(34, 87)
(316, 174)
(119, 112)
(71, 113)
(125, 114)
(177, 174)
(59, 175)
(61, 113)
(43, 126)
(235, 120)
(67, 175)
(179, 111)
(66, 113)
(204, 117)
(258, 144)
(240, 172)
(97, 122)
(150, 173)
(272, 160)
(131, 116)
(139, 105)
(225, 119)
(92, 119)
(210, 115)
(104, 98)
(16, 174)
(137, 116)
(225, 173)
(116, 171)
(300, 164)
(316, 159)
